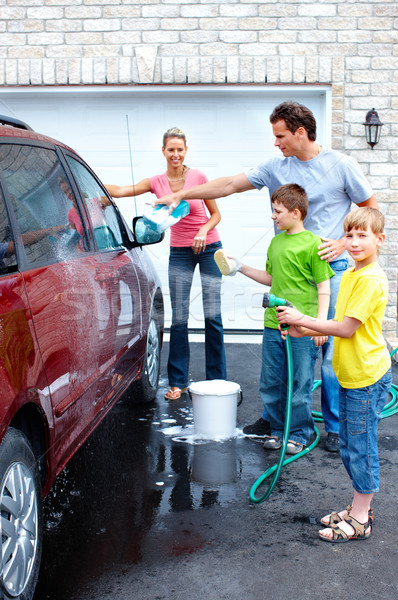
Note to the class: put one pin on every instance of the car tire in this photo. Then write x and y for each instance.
(21, 516)
(145, 388)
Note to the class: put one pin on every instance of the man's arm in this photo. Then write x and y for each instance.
(371, 202)
(217, 188)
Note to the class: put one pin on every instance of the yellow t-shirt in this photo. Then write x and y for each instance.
(363, 359)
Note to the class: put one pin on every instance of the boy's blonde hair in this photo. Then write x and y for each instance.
(292, 196)
(362, 217)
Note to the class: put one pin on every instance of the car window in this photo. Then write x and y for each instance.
(45, 207)
(104, 218)
(7, 255)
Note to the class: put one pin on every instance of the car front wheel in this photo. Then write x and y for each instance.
(21, 516)
(144, 389)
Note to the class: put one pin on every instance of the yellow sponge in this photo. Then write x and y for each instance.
(226, 265)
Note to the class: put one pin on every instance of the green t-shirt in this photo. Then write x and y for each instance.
(296, 269)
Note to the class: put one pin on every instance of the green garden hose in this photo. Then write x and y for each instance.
(390, 409)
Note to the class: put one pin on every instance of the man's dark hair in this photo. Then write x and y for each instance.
(295, 115)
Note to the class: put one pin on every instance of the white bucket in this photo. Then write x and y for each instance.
(215, 405)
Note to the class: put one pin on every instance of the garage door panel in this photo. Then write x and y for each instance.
(205, 122)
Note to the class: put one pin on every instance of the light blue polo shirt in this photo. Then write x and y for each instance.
(331, 179)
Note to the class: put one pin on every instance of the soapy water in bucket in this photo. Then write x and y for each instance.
(187, 435)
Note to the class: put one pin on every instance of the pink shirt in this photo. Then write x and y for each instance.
(183, 232)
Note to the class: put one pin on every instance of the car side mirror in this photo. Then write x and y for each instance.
(143, 234)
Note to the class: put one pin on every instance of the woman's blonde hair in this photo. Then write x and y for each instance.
(173, 132)
(362, 217)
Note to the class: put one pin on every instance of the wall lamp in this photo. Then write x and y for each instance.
(373, 127)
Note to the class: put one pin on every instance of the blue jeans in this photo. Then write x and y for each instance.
(273, 384)
(359, 417)
(330, 385)
(182, 263)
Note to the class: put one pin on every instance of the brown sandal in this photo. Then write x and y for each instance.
(174, 393)
(339, 536)
(335, 518)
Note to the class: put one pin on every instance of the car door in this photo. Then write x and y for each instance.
(22, 375)
(61, 275)
(117, 271)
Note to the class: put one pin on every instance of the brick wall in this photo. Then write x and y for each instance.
(350, 45)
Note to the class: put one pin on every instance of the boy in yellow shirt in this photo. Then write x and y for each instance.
(362, 365)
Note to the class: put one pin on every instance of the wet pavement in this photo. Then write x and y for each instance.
(141, 513)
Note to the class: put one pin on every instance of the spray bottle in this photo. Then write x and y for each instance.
(159, 217)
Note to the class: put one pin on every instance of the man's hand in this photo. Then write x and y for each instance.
(172, 200)
(330, 249)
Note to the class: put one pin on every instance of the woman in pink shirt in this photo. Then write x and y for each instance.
(193, 240)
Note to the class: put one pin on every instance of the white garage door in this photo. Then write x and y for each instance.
(227, 131)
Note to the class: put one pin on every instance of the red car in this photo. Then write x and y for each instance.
(81, 321)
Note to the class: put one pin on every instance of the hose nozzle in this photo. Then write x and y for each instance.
(269, 300)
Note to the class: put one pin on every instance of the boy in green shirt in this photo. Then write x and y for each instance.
(295, 272)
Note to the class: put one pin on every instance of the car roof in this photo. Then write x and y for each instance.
(28, 134)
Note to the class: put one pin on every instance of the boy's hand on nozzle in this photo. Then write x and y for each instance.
(284, 332)
(288, 315)
(293, 331)
(228, 265)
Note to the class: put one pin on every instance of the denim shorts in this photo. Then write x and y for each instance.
(359, 416)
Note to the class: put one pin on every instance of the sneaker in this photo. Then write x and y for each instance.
(332, 442)
(293, 447)
(260, 428)
(226, 265)
(272, 443)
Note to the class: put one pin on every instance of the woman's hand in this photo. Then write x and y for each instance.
(199, 242)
